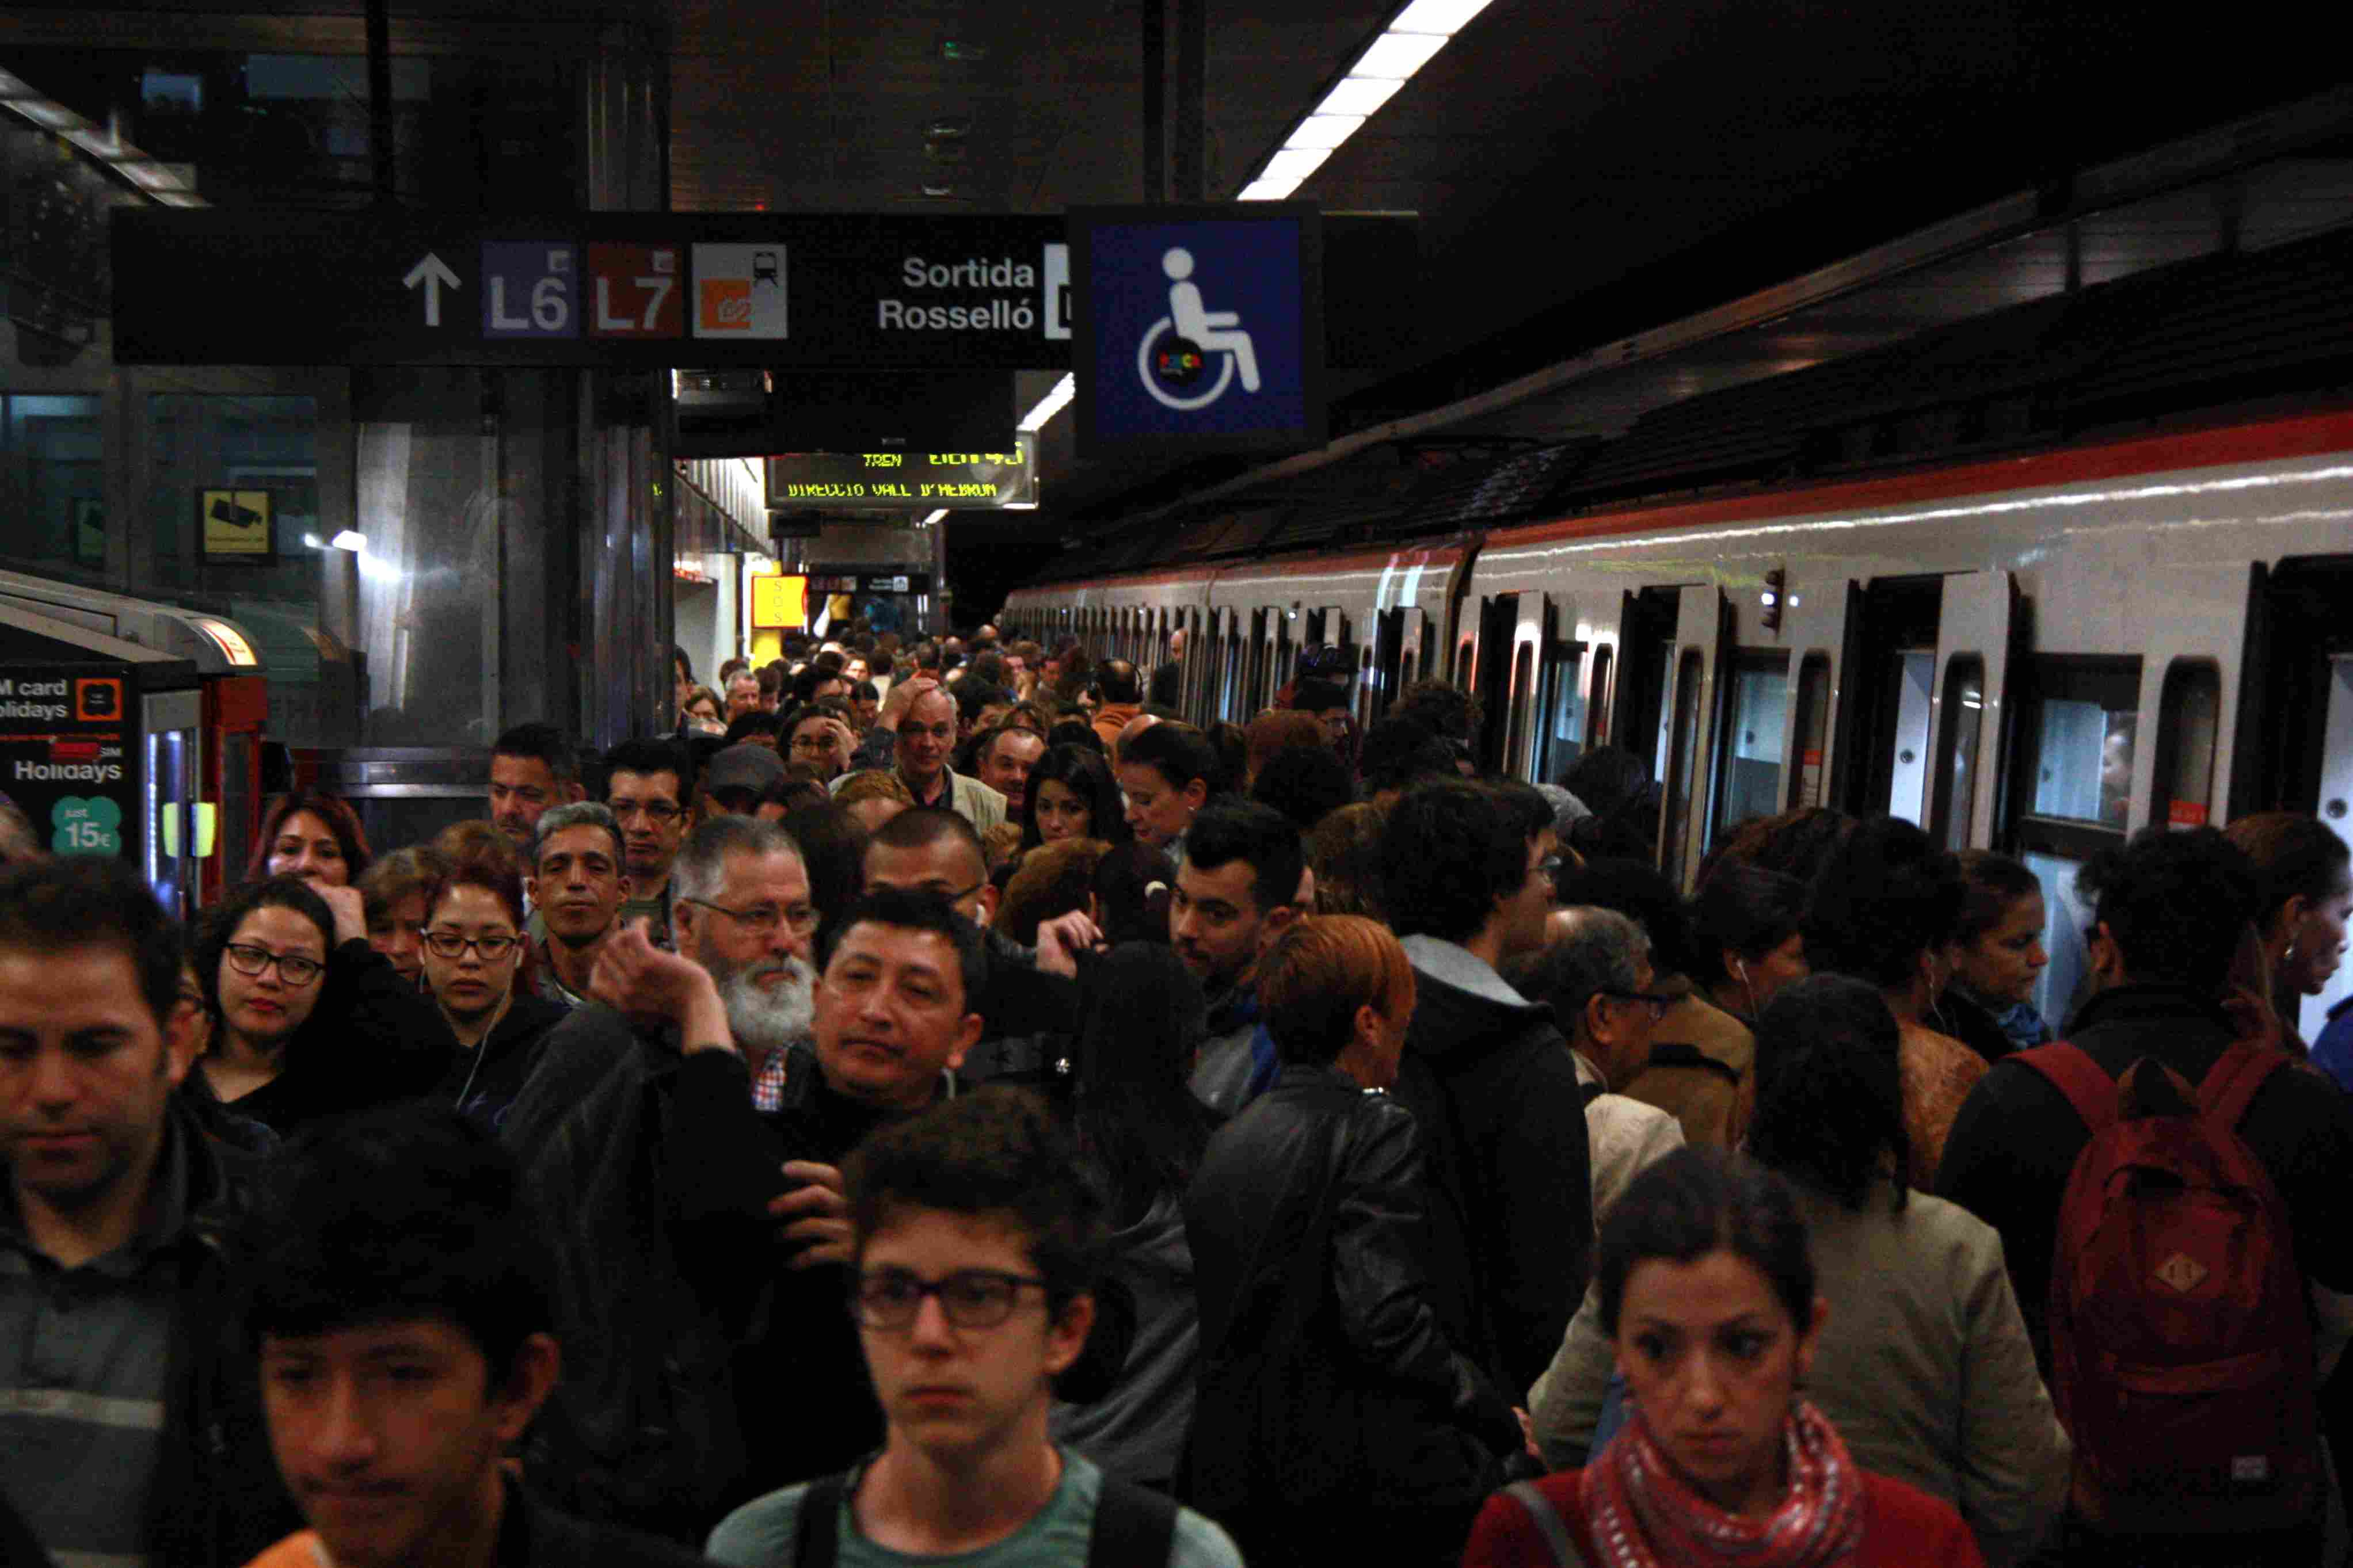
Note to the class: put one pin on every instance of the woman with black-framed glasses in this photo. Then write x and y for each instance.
(308, 1021)
(474, 956)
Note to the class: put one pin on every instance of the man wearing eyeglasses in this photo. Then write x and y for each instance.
(646, 790)
(973, 1256)
(645, 1127)
(819, 735)
(1597, 974)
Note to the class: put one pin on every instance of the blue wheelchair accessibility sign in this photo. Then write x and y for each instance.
(1199, 328)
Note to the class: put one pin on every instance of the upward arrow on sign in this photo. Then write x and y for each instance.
(434, 274)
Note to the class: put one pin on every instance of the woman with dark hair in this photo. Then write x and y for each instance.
(1708, 1298)
(1929, 1375)
(313, 835)
(1885, 909)
(308, 1021)
(1997, 958)
(1335, 1421)
(2306, 898)
(1141, 1135)
(1073, 795)
(1747, 936)
(474, 951)
(1131, 887)
(1700, 1053)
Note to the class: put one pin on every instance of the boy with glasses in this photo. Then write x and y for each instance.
(974, 1253)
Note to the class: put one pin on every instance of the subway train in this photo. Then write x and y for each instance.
(2039, 654)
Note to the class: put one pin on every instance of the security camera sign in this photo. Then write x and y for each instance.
(235, 525)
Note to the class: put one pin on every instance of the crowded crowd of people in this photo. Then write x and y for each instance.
(935, 1103)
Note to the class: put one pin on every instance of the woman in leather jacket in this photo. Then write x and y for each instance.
(1334, 1422)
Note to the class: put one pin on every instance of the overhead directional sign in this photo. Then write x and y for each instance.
(647, 291)
(610, 290)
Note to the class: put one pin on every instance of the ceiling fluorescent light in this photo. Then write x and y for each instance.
(1397, 55)
(1359, 95)
(1267, 190)
(1294, 163)
(349, 539)
(1324, 132)
(1444, 18)
(1054, 403)
(936, 518)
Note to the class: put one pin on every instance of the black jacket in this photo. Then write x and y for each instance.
(372, 1038)
(2016, 1139)
(483, 1082)
(532, 1535)
(217, 1501)
(1326, 1377)
(643, 1428)
(1493, 1089)
(700, 1370)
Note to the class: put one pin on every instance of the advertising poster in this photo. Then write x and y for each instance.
(66, 755)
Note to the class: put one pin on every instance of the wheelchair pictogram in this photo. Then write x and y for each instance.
(1173, 356)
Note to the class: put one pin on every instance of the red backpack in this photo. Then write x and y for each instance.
(2180, 1344)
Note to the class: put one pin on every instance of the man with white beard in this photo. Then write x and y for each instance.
(640, 1136)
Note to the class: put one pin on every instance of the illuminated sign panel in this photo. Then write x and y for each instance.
(779, 603)
(967, 481)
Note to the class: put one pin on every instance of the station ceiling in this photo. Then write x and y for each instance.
(1583, 169)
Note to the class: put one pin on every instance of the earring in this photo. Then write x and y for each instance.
(2289, 956)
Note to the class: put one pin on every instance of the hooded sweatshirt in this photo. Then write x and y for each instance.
(1493, 1087)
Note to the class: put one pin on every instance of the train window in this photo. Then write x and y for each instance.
(2189, 710)
(1957, 764)
(1463, 652)
(1685, 732)
(2082, 739)
(2075, 734)
(1749, 773)
(1560, 736)
(1813, 730)
(1907, 792)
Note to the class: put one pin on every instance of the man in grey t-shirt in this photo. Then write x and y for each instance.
(967, 1314)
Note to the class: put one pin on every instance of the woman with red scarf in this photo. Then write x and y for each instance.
(1707, 1290)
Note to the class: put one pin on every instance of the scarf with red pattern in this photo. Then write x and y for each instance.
(1644, 1513)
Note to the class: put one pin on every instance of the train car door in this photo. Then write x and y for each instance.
(1688, 737)
(1978, 620)
(1887, 675)
(1488, 653)
(1561, 706)
(1646, 641)
(2293, 739)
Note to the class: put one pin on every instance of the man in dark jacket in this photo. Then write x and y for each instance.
(397, 1289)
(701, 1272)
(647, 1427)
(1467, 880)
(129, 1428)
(1337, 1419)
